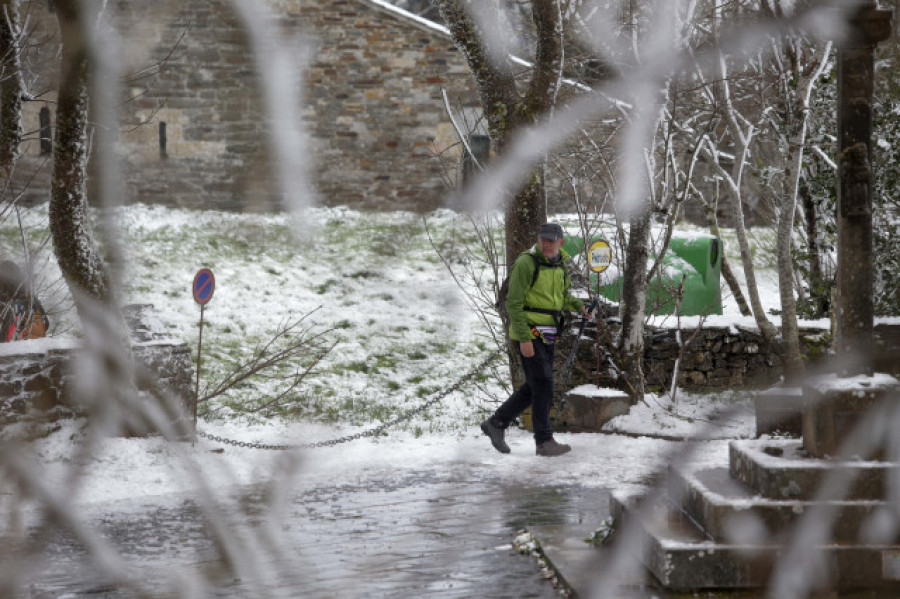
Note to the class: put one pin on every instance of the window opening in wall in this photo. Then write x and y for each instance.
(46, 131)
(481, 148)
(162, 140)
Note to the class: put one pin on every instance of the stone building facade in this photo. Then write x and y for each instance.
(195, 128)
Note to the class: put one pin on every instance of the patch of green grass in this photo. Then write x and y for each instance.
(359, 366)
(382, 362)
(441, 348)
(323, 288)
(363, 274)
(424, 391)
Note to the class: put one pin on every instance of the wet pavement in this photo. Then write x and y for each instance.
(419, 534)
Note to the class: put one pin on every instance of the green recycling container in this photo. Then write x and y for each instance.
(702, 288)
(698, 259)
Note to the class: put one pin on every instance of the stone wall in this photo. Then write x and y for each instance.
(721, 357)
(715, 357)
(36, 376)
(370, 101)
(374, 107)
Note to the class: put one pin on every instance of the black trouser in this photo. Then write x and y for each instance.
(537, 393)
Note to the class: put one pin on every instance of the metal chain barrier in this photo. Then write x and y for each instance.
(367, 433)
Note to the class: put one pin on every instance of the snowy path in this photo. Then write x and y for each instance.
(422, 534)
(396, 516)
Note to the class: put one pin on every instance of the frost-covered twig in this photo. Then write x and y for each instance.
(286, 345)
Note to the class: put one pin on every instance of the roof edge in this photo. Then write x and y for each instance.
(421, 22)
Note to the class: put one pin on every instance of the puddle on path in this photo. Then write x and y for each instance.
(420, 534)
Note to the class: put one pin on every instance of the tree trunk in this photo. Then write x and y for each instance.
(524, 216)
(793, 362)
(734, 179)
(507, 110)
(797, 127)
(12, 87)
(819, 292)
(79, 259)
(734, 286)
(634, 303)
(737, 214)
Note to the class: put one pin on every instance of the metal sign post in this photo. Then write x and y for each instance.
(599, 259)
(204, 285)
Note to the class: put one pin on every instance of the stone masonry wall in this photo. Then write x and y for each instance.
(371, 103)
(722, 357)
(374, 107)
(36, 376)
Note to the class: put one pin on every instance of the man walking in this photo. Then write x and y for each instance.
(538, 293)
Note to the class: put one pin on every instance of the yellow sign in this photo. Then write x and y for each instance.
(599, 256)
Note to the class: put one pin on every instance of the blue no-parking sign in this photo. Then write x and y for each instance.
(204, 285)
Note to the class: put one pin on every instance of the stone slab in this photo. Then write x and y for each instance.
(679, 555)
(564, 545)
(781, 469)
(588, 413)
(729, 511)
(685, 563)
(779, 410)
(583, 413)
(832, 406)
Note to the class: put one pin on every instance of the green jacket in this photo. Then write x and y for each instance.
(549, 292)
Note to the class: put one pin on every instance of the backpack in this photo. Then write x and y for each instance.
(504, 286)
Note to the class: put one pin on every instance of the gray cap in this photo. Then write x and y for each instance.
(551, 231)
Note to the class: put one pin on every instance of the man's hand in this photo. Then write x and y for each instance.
(527, 348)
(588, 311)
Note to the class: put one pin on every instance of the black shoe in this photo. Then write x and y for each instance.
(552, 448)
(496, 435)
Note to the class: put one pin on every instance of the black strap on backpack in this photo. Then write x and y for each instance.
(504, 286)
(558, 317)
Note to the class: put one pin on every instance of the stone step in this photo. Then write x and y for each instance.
(678, 554)
(779, 409)
(780, 469)
(833, 407)
(728, 510)
(683, 559)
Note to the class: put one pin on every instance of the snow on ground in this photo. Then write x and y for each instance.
(152, 471)
(377, 280)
